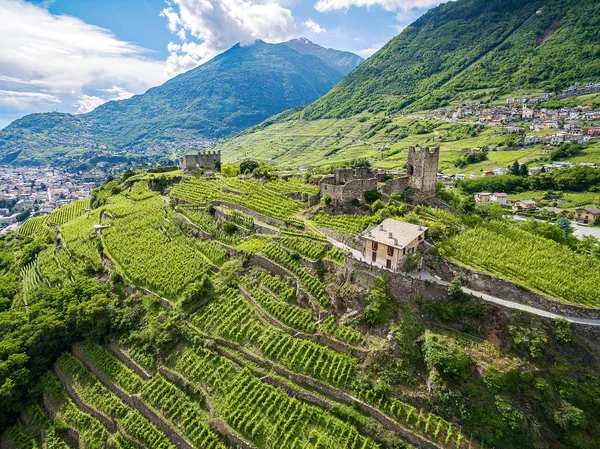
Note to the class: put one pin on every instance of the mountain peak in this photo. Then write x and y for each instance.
(342, 61)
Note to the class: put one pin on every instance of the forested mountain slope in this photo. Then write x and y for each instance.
(462, 47)
(236, 89)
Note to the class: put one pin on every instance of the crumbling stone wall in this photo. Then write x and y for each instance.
(395, 185)
(209, 160)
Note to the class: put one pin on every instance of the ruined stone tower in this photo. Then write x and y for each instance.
(209, 160)
(422, 169)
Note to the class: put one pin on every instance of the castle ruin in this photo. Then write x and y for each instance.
(208, 160)
(346, 184)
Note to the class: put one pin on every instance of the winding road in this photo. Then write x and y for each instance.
(425, 275)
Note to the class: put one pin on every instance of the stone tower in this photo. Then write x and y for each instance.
(209, 160)
(422, 167)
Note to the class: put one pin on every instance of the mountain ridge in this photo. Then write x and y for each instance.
(343, 61)
(236, 89)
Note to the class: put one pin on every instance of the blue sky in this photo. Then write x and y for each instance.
(73, 55)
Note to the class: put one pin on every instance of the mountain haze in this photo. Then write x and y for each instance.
(236, 89)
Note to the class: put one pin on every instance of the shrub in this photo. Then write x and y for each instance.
(327, 200)
(379, 302)
(449, 363)
(371, 196)
(229, 227)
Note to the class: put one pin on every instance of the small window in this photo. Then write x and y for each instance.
(388, 264)
(403, 251)
(390, 251)
(375, 246)
(374, 256)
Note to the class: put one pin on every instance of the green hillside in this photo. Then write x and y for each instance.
(174, 323)
(238, 88)
(461, 48)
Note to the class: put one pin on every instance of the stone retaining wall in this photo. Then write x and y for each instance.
(235, 440)
(251, 212)
(340, 396)
(110, 425)
(317, 338)
(353, 243)
(404, 288)
(132, 365)
(134, 402)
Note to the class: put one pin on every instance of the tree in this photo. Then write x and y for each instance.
(411, 263)
(565, 224)
(455, 289)
(514, 169)
(248, 166)
(523, 170)
(327, 200)
(379, 302)
(198, 292)
(467, 205)
(371, 196)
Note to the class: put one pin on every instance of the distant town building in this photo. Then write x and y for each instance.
(587, 215)
(482, 197)
(524, 205)
(500, 198)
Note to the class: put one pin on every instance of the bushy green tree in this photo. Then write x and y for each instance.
(379, 302)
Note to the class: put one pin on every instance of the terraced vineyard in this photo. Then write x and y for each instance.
(41, 225)
(349, 225)
(150, 249)
(269, 353)
(503, 249)
(248, 193)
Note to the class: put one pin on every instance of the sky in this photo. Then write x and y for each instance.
(73, 55)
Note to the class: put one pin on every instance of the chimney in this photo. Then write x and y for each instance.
(381, 227)
(390, 235)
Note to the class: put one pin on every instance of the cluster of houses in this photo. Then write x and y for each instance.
(568, 123)
(556, 165)
(40, 189)
(584, 215)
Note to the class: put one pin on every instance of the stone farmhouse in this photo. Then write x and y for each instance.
(346, 184)
(208, 160)
(587, 215)
(389, 244)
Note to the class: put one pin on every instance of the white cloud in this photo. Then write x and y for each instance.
(64, 57)
(20, 100)
(219, 24)
(388, 5)
(314, 26)
(366, 52)
(87, 103)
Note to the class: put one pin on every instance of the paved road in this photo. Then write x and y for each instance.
(427, 276)
(580, 231)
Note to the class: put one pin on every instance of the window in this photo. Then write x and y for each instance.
(403, 251)
(388, 264)
(374, 256)
(374, 246)
(390, 251)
